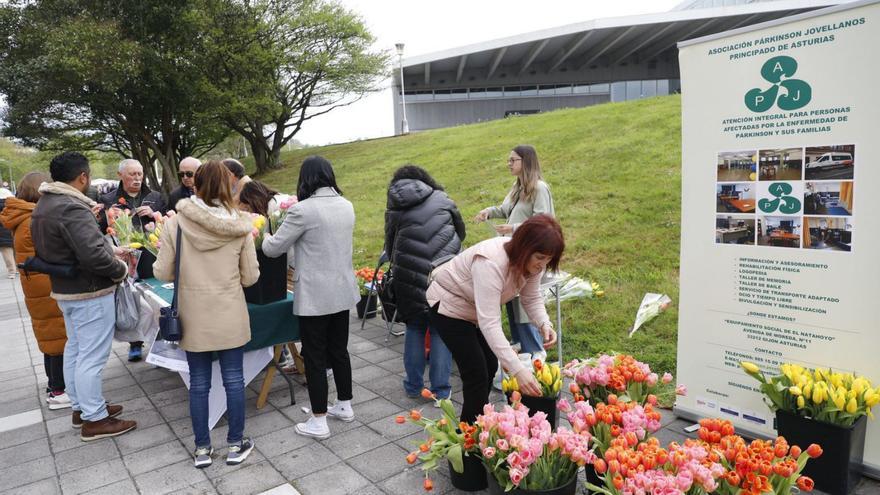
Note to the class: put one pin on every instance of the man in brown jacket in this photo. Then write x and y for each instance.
(65, 232)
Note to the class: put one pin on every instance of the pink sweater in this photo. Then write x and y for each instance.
(475, 284)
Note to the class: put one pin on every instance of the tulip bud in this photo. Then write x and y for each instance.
(814, 450)
(750, 368)
(852, 406)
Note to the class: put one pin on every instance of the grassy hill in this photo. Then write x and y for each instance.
(614, 171)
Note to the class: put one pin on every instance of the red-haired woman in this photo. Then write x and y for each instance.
(466, 295)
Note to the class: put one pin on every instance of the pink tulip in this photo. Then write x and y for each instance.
(516, 476)
(681, 389)
(489, 452)
(667, 378)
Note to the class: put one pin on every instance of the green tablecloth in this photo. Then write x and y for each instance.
(271, 324)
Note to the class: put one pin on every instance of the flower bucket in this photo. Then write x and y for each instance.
(838, 470)
(569, 488)
(535, 404)
(272, 284)
(593, 477)
(145, 264)
(366, 307)
(473, 477)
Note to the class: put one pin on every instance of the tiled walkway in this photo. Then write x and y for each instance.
(41, 454)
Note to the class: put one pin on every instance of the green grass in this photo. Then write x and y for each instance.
(614, 171)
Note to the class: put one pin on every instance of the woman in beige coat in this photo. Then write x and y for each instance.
(217, 258)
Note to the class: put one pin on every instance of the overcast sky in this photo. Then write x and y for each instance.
(426, 27)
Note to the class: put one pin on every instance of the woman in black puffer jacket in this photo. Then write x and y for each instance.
(421, 225)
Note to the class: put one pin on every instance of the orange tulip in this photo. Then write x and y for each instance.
(415, 415)
(805, 483)
(429, 485)
(411, 458)
(426, 394)
(795, 451)
(599, 466)
(814, 450)
(400, 420)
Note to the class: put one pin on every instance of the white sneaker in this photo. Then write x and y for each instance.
(341, 412)
(58, 401)
(315, 427)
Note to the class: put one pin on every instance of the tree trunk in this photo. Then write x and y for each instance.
(261, 156)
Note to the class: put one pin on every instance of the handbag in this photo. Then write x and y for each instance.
(385, 291)
(170, 326)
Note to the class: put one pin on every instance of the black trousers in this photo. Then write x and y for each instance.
(476, 361)
(325, 345)
(54, 366)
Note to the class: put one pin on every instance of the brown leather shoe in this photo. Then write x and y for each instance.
(107, 427)
(113, 410)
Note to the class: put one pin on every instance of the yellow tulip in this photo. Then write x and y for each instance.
(801, 402)
(514, 385)
(750, 367)
(153, 238)
(796, 391)
(872, 400)
(839, 400)
(808, 389)
(852, 406)
(135, 245)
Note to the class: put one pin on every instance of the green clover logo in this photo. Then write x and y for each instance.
(785, 204)
(796, 95)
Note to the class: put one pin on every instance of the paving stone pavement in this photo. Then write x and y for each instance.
(42, 454)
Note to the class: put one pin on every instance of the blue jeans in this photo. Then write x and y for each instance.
(231, 370)
(526, 334)
(90, 325)
(414, 359)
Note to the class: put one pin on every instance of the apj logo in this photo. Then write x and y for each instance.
(778, 71)
(783, 202)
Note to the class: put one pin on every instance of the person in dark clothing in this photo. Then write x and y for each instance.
(187, 173)
(421, 225)
(133, 195)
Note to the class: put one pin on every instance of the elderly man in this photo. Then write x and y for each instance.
(187, 173)
(133, 195)
(65, 233)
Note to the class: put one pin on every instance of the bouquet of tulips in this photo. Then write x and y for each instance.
(757, 467)
(364, 276)
(821, 394)
(548, 376)
(447, 438)
(630, 468)
(122, 228)
(258, 222)
(630, 420)
(522, 451)
(613, 374)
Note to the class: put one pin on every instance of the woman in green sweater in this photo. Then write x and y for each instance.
(528, 196)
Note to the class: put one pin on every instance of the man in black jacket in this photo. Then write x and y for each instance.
(133, 195)
(187, 173)
(421, 225)
(65, 232)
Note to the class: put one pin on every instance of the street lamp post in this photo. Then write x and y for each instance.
(404, 126)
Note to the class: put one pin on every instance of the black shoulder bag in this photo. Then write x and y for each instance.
(170, 326)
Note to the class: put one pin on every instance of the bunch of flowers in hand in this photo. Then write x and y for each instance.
(649, 468)
(548, 376)
(757, 467)
(572, 287)
(820, 394)
(613, 374)
(121, 227)
(277, 216)
(522, 451)
(364, 277)
(447, 438)
(628, 420)
(258, 222)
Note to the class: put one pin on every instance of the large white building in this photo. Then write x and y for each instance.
(581, 64)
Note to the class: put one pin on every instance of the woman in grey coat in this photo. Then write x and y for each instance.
(529, 196)
(319, 228)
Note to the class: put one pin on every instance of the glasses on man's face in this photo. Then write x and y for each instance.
(188, 175)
